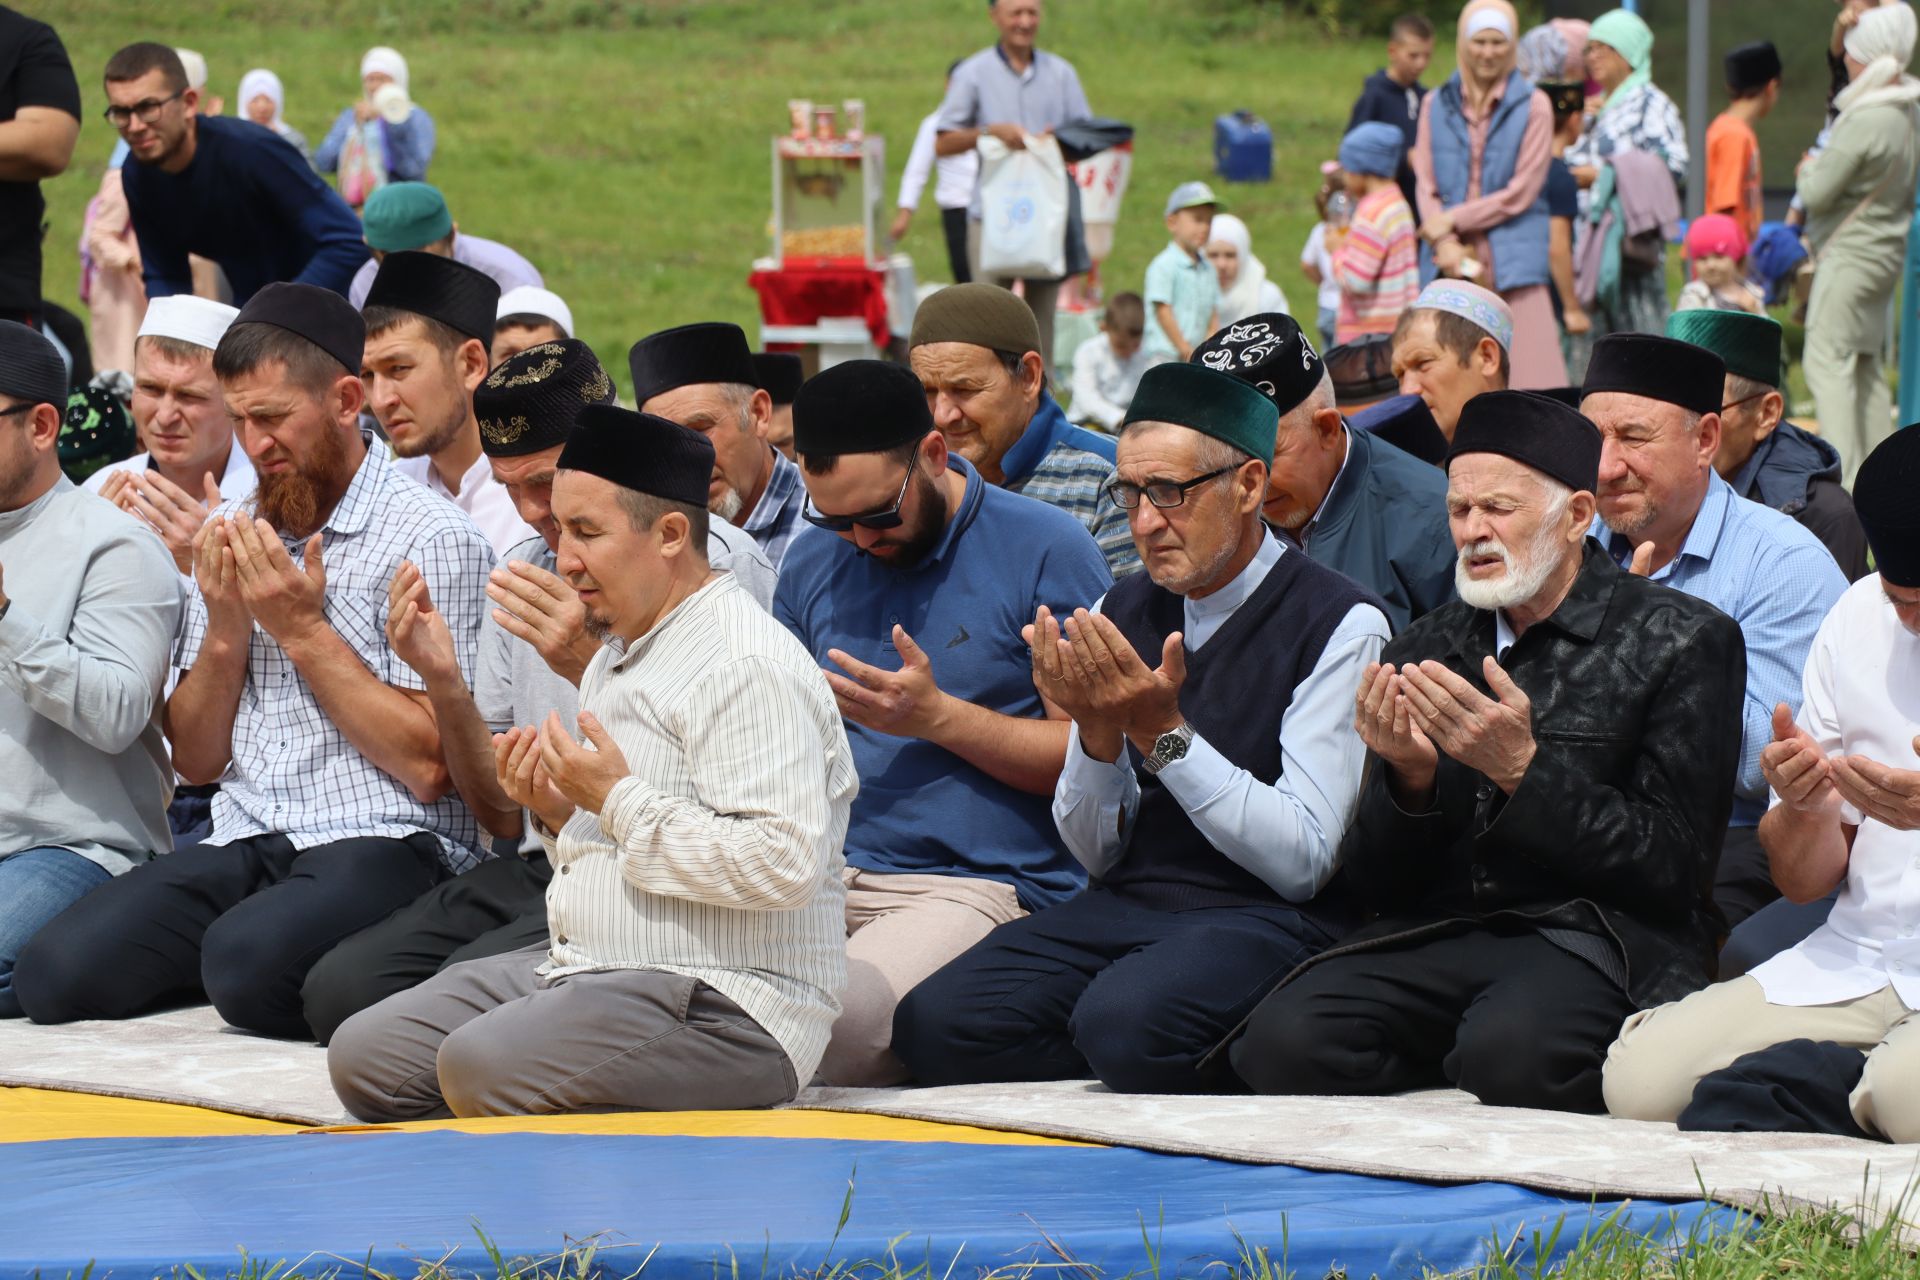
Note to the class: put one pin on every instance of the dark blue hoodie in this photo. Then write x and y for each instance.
(1385, 100)
(1796, 472)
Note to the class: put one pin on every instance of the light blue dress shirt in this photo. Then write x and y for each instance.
(1286, 833)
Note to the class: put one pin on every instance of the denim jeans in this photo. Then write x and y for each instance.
(35, 886)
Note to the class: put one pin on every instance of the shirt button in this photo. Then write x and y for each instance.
(566, 869)
(562, 939)
(1479, 873)
(1485, 792)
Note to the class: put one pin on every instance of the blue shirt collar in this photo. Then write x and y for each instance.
(958, 522)
(1702, 537)
(1047, 428)
(776, 498)
(1206, 615)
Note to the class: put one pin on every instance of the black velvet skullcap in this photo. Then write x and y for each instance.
(640, 451)
(861, 406)
(1751, 66)
(31, 369)
(321, 316)
(1362, 370)
(460, 297)
(529, 401)
(1657, 368)
(691, 355)
(1271, 353)
(779, 375)
(1886, 498)
(1533, 429)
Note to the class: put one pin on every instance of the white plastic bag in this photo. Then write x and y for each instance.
(1023, 209)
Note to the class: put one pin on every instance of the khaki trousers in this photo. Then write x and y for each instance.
(1851, 397)
(901, 929)
(1661, 1054)
(1042, 295)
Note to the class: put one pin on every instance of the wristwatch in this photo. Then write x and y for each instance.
(1168, 747)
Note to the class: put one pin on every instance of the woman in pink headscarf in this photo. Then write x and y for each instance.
(1480, 164)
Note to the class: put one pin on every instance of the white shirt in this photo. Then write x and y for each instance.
(1287, 833)
(236, 479)
(1862, 697)
(954, 175)
(480, 496)
(718, 856)
(1316, 255)
(1103, 385)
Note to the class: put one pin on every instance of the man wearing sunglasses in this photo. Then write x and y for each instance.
(222, 188)
(1212, 769)
(910, 592)
(1764, 457)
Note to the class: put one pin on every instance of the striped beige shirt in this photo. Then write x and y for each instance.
(719, 857)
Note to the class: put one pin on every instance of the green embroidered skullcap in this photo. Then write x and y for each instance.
(1214, 404)
(405, 215)
(1748, 344)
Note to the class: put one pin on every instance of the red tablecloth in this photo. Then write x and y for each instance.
(803, 293)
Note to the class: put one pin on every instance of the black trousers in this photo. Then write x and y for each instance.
(1742, 883)
(497, 907)
(1101, 986)
(954, 223)
(241, 923)
(1508, 1017)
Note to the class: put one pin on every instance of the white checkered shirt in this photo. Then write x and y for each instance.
(294, 772)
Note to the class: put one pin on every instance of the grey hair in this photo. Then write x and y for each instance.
(1301, 415)
(1210, 454)
(1556, 494)
(1741, 387)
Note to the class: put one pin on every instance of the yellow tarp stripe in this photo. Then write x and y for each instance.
(40, 1115)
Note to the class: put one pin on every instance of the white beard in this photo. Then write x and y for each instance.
(1522, 580)
(727, 505)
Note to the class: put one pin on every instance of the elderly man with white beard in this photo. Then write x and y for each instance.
(1550, 765)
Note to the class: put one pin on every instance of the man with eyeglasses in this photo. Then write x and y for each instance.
(910, 593)
(222, 188)
(1211, 769)
(1764, 457)
(88, 607)
(39, 125)
(1665, 512)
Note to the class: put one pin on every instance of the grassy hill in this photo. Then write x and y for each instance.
(623, 146)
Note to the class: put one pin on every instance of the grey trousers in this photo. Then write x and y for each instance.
(491, 1038)
(1041, 295)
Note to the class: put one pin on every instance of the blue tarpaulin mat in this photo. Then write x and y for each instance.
(772, 1206)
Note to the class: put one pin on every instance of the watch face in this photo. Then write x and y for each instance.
(1171, 746)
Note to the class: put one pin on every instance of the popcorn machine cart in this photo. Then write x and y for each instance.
(824, 288)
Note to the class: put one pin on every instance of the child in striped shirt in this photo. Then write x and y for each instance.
(1378, 261)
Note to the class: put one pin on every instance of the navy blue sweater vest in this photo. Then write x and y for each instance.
(1239, 684)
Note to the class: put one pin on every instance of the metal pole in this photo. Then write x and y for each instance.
(1698, 89)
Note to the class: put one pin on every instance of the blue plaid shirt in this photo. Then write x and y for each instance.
(1068, 467)
(1767, 573)
(777, 517)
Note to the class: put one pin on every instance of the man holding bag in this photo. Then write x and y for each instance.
(1008, 92)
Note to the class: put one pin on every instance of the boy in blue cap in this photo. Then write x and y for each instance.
(1183, 292)
(1378, 261)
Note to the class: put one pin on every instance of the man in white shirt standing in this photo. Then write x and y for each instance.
(952, 189)
(429, 325)
(697, 943)
(192, 458)
(1846, 812)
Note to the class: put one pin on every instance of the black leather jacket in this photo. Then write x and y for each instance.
(1615, 831)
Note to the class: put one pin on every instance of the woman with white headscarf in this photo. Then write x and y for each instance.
(1245, 289)
(1859, 195)
(263, 101)
(384, 137)
(1480, 162)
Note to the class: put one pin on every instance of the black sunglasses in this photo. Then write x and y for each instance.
(888, 519)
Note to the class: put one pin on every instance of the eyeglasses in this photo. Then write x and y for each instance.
(888, 519)
(1735, 404)
(18, 408)
(119, 117)
(1161, 493)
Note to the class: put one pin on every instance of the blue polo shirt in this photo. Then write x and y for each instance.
(922, 809)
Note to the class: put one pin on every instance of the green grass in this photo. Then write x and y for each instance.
(623, 145)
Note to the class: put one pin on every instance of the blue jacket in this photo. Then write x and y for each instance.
(1797, 472)
(1385, 526)
(1520, 255)
(409, 145)
(250, 202)
(1388, 102)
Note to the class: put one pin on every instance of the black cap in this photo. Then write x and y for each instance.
(640, 451)
(691, 355)
(1751, 66)
(1363, 369)
(30, 366)
(1271, 353)
(1884, 498)
(1533, 429)
(861, 406)
(321, 316)
(96, 430)
(1406, 423)
(529, 401)
(455, 294)
(1657, 368)
(779, 375)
